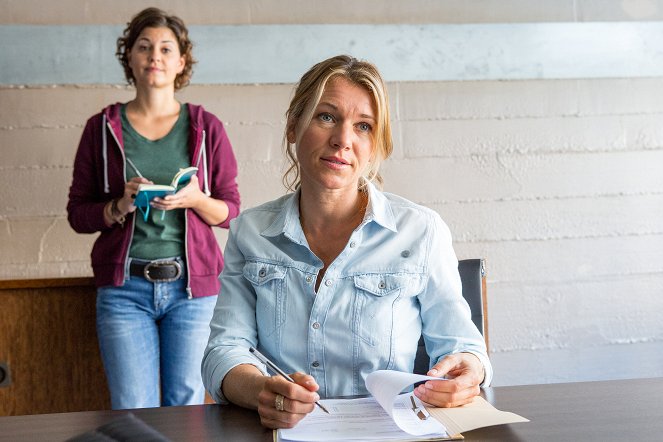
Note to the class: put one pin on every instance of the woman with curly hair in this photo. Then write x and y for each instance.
(157, 273)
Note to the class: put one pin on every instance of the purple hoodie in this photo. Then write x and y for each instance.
(100, 175)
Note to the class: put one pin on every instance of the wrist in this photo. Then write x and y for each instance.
(116, 215)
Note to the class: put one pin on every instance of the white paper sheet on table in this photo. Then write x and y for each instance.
(390, 415)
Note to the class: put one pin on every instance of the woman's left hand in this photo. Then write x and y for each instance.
(211, 210)
(463, 372)
(187, 197)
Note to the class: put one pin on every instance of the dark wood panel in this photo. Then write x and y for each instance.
(48, 339)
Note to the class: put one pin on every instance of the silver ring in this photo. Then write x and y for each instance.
(278, 402)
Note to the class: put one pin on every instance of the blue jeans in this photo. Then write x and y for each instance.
(152, 340)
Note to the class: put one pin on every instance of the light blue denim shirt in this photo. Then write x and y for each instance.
(396, 277)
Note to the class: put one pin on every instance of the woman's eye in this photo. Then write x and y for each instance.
(326, 117)
(166, 50)
(364, 127)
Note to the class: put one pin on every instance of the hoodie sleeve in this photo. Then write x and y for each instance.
(85, 209)
(223, 168)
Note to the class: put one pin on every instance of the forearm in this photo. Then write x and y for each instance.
(242, 384)
(211, 210)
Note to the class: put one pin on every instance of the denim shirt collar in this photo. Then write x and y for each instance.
(287, 222)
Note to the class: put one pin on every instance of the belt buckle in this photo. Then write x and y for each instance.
(178, 267)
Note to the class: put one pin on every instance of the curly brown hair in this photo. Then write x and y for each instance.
(156, 18)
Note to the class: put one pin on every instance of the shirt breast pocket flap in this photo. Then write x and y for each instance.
(260, 273)
(380, 285)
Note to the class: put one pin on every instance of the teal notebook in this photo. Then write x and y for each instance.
(147, 192)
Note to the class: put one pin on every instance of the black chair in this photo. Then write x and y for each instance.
(473, 276)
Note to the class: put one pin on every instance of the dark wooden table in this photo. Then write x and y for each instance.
(584, 411)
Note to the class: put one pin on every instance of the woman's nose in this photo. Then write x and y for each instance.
(342, 136)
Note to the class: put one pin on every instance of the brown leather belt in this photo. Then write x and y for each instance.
(157, 271)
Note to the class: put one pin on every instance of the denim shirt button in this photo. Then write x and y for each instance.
(405, 253)
(262, 272)
(382, 285)
(315, 364)
(309, 279)
(328, 283)
(316, 325)
(353, 244)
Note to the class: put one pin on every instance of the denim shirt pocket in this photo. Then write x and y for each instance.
(373, 308)
(268, 281)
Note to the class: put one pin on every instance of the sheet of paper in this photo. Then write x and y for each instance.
(351, 420)
(385, 386)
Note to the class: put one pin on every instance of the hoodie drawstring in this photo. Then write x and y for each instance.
(203, 152)
(104, 152)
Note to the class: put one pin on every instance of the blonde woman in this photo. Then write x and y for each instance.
(339, 279)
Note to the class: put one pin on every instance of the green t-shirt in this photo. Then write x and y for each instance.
(158, 161)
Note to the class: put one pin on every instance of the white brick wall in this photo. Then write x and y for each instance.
(557, 183)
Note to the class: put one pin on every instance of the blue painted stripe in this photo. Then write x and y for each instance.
(281, 53)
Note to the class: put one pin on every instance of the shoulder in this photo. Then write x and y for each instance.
(110, 113)
(403, 206)
(262, 216)
(410, 215)
(199, 116)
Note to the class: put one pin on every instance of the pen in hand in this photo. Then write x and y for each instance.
(278, 371)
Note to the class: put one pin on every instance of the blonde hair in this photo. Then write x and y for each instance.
(307, 95)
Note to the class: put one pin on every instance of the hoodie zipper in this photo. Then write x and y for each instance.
(124, 173)
(186, 226)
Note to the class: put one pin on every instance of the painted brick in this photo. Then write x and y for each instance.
(241, 103)
(545, 366)
(60, 244)
(619, 307)
(43, 193)
(620, 96)
(25, 107)
(21, 239)
(600, 10)
(256, 142)
(525, 176)
(586, 174)
(38, 147)
(539, 135)
(486, 99)
(566, 260)
(260, 182)
(296, 11)
(552, 219)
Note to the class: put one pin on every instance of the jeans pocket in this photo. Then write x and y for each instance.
(268, 281)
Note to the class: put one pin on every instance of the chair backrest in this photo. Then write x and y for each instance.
(473, 277)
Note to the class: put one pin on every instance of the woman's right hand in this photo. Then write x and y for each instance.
(298, 400)
(126, 203)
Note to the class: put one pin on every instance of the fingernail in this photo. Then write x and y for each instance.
(433, 372)
(317, 397)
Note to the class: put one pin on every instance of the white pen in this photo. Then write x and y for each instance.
(262, 358)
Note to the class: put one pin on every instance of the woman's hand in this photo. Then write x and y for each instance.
(126, 203)
(298, 400)
(187, 197)
(115, 210)
(211, 210)
(463, 371)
